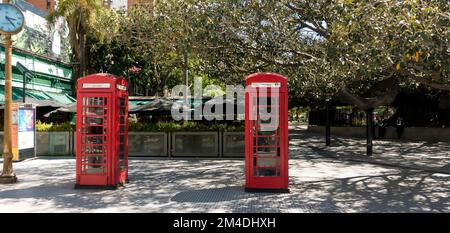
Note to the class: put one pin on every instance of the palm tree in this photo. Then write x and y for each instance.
(79, 15)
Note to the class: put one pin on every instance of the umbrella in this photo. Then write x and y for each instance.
(66, 108)
(72, 108)
(157, 105)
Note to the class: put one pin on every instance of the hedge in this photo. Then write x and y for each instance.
(152, 127)
(182, 126)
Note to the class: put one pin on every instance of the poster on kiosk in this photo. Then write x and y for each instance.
(23, 131)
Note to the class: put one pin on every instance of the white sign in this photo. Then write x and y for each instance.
(56, 45)
(121, 87)
(276, 85)
(96, 85)
(119, 4)
(25, 140)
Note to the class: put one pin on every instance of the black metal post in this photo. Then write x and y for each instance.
(328, 125)
(369, 124)
(24, 86)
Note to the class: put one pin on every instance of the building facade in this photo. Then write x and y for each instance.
(40, 59)
(43, 5)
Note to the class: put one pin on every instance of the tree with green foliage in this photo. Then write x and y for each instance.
(154, 46)
(359, 51)
(79, 14)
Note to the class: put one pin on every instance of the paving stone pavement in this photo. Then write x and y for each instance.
(425, 156)
(318, 183)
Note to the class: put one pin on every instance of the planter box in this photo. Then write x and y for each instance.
(53, 143)
(233, 144)
(148, 144)
(153, 144)
(195, 144)
(49, 143)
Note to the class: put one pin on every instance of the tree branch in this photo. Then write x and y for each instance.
(313, 26)
(426, 80)
(367, 103)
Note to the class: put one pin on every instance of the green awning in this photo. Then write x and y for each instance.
(37, 95)
(60, 97)
(139, 102)
(16, 94)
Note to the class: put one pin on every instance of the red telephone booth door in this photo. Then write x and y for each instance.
(94, 164)
(267, 162)
(266, 133)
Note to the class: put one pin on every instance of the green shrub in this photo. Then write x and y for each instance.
(50, 127)
(182, 126)
(151, 127)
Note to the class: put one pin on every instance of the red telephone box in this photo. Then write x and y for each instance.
(266, 133)
(102, 131)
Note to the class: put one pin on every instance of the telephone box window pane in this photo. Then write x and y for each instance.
(94, 164)
(267, 166)
(267, 151)
(93, 139)
(265, 109)
(94, 111)
(265, 171)
(266, 129)
(267, 162)
(267, 141)
(267, 101)
(93, 129)
(94, 101)
(93, 121)
(93, 149)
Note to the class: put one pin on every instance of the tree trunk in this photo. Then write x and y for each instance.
(153, 91)
(368, 103)
(82, 54)
(384, 93)
(369, 131)
(328, 125)
(186, 76)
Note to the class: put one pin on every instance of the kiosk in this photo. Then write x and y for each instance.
(266, 133)
(23, 131)
(102, 131)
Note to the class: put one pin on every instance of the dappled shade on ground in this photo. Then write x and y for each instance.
(317, 184)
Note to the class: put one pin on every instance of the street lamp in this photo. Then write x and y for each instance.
(11, 22)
